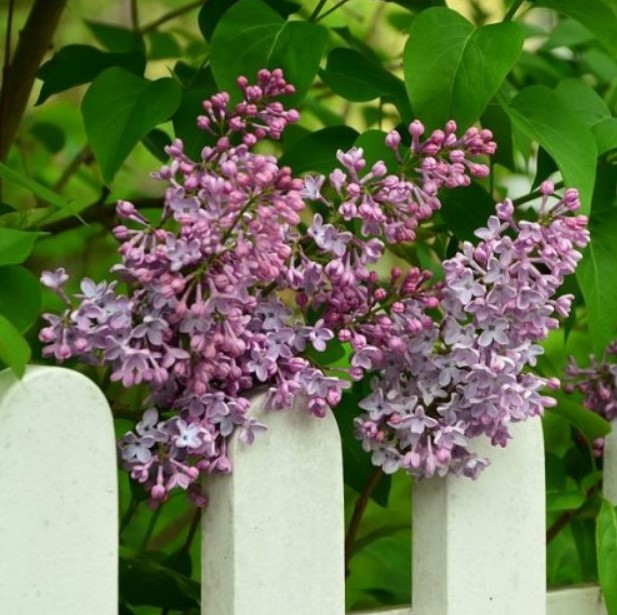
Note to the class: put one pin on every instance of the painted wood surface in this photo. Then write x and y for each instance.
(273, 533)
(58, 496)
(479, 546)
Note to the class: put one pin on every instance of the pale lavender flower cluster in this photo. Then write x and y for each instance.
(200, 325)
(441, 383)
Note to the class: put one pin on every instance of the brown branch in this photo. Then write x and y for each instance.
(134, 15)
(358, 512)
(153, 25)
(34, 42)
(6, 67)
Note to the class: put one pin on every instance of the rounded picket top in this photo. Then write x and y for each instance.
(58, 496)
(273, 533)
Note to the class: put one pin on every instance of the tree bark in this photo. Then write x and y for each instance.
(34, 41)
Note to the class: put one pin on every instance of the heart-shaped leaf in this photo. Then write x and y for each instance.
(317, 151)
(452, 69)
(213, 10)
(77, 64)
(591, 108)
(251, 36)
(596, 274)
(359, 78)
(541, 115)
(119, 109)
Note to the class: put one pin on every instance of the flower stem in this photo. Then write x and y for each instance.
(356, 518)
(317, 10)
(532, 196)
(512, 10)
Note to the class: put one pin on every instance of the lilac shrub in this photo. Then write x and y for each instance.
(225, 293)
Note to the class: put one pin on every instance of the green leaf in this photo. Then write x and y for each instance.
(357, 466)
(583, 532)
(465, 210)
(212, 11)
(119, 109)
(453, 70)
(28, 219)
(14, 350)
(195, 77)
(78, 64)
(42, 192)
(599, 63)
(185, 122)
(590, 107)
(163, 45)
(600, 18)
(557, 501)
(251, 36)
(606, 547)
(317, 151)
(334, 352)
(358, 44)
(375, 149)
(15, 245)
(156, 141)
(20, 297)
(595, 274)
(50, 135)
(145, 582)
(541, 114)
(497, 121)
(567, 33)
(590, 424)
(359, 78)
(115, 38)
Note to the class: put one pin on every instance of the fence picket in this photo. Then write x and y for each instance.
(58, 496)
(273, 533)
(479, 546)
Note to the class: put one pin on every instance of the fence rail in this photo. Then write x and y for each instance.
(273, 535)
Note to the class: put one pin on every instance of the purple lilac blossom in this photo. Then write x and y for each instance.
(464, 376)
(202, 327)
(207, 318)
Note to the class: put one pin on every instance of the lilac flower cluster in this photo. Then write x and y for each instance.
(441, 383)
(597, 384)
(200, 325)
(392, 204)
(208, 315)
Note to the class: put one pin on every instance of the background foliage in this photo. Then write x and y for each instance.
(84, 120)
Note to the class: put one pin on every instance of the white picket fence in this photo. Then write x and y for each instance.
(273, 535)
